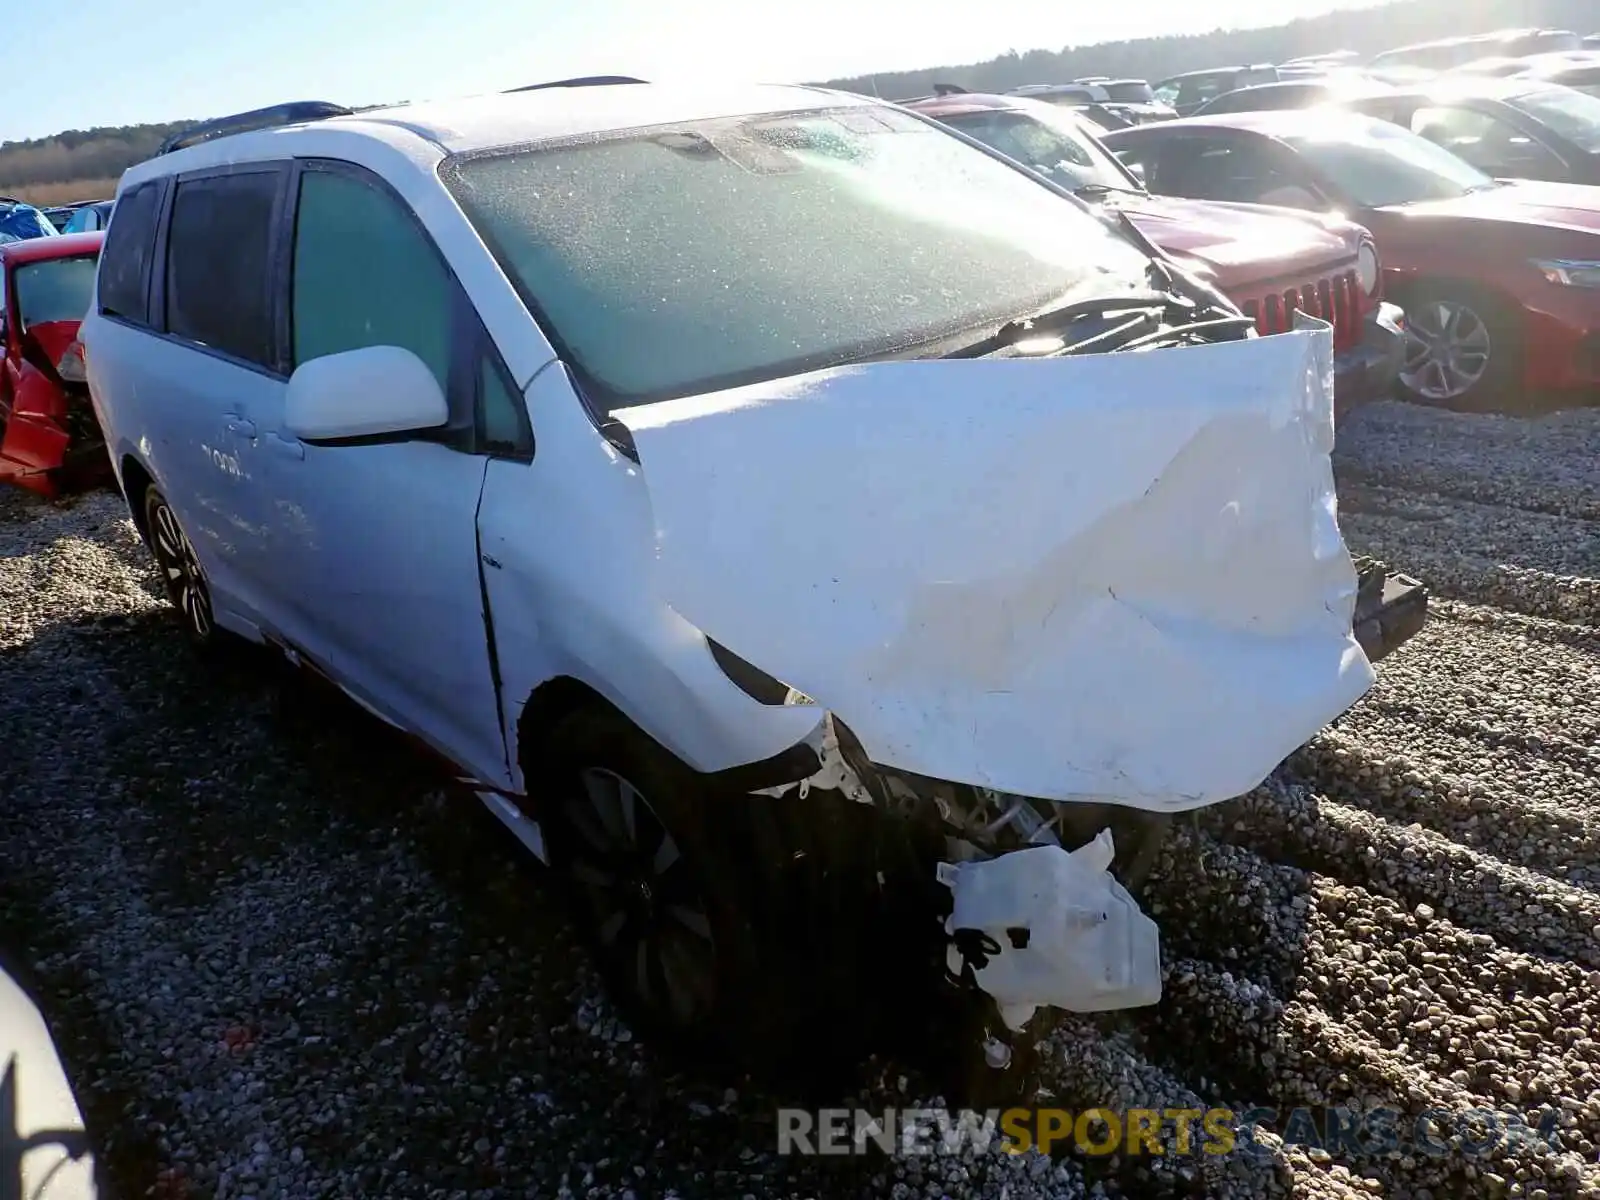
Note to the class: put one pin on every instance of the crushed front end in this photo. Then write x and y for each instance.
(1045, 607)
(50, 438)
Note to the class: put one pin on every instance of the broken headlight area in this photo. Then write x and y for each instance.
(1025, 912)
(752, 680)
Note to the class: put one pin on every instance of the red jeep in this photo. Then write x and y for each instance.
(1271, 262)
(49, 438)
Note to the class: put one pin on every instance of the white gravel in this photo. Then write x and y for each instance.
(284, 963)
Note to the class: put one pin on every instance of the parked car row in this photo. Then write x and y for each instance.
(1425, 158)
(1516, 127)
(1500, 279)
(586, 434)
(1271, 264)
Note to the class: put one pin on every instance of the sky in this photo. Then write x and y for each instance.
(133, 61)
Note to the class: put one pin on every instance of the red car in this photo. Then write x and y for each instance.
(1267, 261)
(49, 438)
(1500, 280)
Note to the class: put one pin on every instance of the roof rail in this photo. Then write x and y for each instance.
(950, 89)
(294, 113)
(579, 81)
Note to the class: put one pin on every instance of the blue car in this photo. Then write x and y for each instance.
(20, 221)
(89, 218)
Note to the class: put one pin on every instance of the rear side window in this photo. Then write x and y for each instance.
(219, 248)
(125, 258)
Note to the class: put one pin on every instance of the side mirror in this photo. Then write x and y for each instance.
(369, 392)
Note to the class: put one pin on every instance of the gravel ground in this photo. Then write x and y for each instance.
(284, 962)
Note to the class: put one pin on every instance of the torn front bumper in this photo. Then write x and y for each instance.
(1032, 591)
(1391, 609)
(1369, 371)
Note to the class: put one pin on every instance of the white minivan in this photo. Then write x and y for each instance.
(834, 549)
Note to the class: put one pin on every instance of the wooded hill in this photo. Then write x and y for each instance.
(80, 164)
(55, 169)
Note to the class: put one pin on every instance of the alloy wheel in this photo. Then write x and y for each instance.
(647, 912)
(180, 570)
(1447, 350)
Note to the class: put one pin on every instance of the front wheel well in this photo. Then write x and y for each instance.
(552, 702)
(135, 479)
(1409, 290)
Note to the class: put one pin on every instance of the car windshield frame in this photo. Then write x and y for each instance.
(1568, 112)
(1410, 159)
(1104, 169)
(26, 276)
(680, 259)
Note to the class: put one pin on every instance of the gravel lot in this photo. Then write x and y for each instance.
(283, 962)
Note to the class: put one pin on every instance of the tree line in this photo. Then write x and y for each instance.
(81, 155)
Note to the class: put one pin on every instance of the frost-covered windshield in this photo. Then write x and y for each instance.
(678, 259)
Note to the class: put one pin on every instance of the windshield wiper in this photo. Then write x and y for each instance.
(1142, 309)
(1184, 332)
(1099, 191)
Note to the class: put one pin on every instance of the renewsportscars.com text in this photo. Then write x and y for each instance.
(1344, 1133)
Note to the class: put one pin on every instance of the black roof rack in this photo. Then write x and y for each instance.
(294, 113)
(580, 81)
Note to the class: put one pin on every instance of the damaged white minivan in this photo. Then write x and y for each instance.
(837, 551)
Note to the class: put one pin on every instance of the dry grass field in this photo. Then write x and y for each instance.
(46, 194)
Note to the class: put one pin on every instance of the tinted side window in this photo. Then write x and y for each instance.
(1144, 160)
(1238, 170)
(365, 275)
(1202, 88)
(219, 260)
(1486, 142)
(125, 258)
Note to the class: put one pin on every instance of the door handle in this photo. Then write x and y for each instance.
(286, 447)
(241, 427)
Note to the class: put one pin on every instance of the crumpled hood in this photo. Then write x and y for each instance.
(1115, 576)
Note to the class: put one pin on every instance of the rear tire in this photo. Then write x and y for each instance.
(182, 577)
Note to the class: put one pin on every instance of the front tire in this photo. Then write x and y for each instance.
(182, 577)
(657, 909)
(1463, 351)
(812, 931)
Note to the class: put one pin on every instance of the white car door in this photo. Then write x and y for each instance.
(376, 567)
(215, 364)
